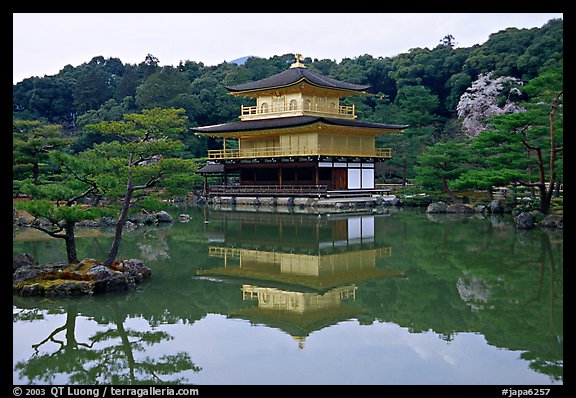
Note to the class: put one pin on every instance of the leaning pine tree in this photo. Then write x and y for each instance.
(57, 189)
(58, 203)
(142, 162)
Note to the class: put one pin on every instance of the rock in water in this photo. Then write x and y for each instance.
(87, 277)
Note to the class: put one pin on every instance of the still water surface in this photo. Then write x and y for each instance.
(267, 298)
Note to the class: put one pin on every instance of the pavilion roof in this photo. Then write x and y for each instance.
(211, 168)
(294, 76)
(292, 121)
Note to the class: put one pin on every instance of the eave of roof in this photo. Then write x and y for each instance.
(211, 168)
(294, 76)
(286, 122)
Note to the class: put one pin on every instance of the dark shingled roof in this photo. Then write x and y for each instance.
(211, 168)
(295, 75)
(293, 121)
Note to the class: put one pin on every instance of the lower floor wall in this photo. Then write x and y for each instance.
(335, 175)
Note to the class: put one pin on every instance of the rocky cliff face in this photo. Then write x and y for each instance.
(486, 97)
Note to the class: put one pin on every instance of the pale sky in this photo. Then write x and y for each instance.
(43, 43)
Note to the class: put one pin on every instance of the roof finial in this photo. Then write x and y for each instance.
(297, 64)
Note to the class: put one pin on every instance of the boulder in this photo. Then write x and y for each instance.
(480, 209)
(459, 208)
(437, 207)
(143, 219)
(32, 271)
(100, 272)
(496, 206)
(524, 220)
(135, 270)
(21, 260)
(552, 221)
(107, 221)
(163, 216)
(69, 288)
(386, 200)
(130, 225)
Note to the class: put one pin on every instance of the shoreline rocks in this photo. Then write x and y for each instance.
(88, 277)
(23, 219)
(523, 220)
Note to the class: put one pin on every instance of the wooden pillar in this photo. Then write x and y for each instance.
(280, 175)
(317, 175)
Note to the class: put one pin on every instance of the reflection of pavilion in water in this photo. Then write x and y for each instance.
(301, 270)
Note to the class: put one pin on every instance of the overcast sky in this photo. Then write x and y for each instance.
(46, 42)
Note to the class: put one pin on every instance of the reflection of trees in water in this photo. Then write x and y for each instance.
(117, 362)
(548, 362)
(153, 245)
(524, 309)
(477, 276)
(473, 290)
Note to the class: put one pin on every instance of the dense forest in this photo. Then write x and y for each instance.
(422, 88)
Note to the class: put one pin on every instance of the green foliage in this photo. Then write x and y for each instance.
(48, 98)
(55, 213)
(418, 105)
(146, 150)
(32, 144)
(519, 53)
(142, 159)
(457, 85)
(58, 195)
(484, 178)
(557, 204)
(439, 164)
(165, 88)
(91, 91)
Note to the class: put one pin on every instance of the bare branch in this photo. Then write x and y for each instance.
(150, 183)
(525, 184)
(52, 233)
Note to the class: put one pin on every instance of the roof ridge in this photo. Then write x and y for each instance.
(293, 76)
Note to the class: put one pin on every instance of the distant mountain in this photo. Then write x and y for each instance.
(241, 60)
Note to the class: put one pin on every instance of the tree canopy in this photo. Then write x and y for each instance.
(142, 158)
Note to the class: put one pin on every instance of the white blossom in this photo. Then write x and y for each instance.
(481, 101)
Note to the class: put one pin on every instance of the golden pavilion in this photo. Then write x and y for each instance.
(298, 138)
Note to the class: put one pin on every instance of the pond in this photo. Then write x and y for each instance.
(253, 298)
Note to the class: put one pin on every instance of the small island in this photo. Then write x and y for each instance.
(87, 277)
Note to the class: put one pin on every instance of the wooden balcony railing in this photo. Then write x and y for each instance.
(279, 151)
(300, 108)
